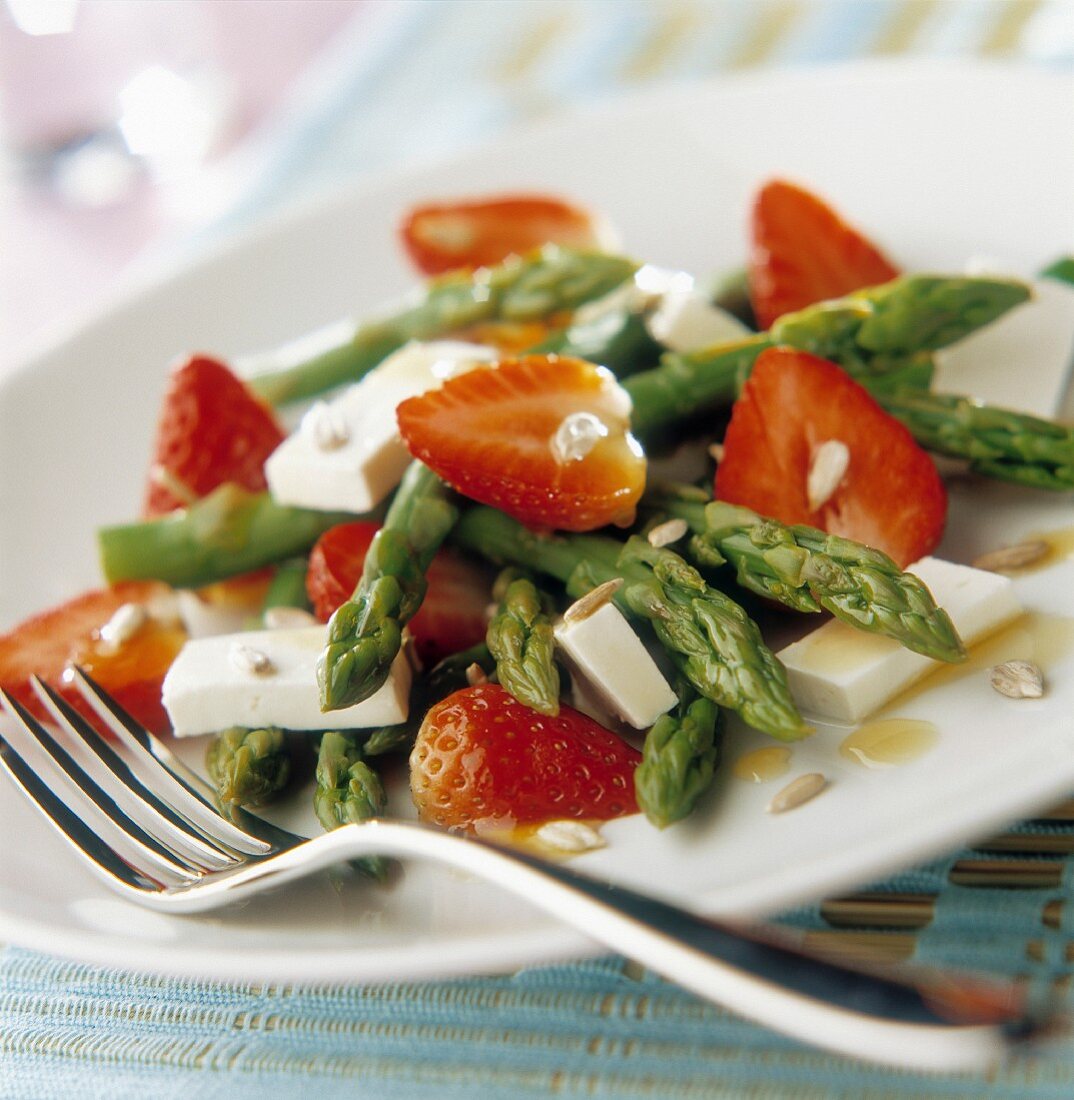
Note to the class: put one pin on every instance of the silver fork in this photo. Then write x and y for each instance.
(147, 826)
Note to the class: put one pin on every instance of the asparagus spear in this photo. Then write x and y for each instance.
(890, 329)
(1061, 269)
(447, 676)
(348, 791)
(248, 766)
(679, 758)
(808, 570)
(520, 639)
(364, 634)
(712, 641)
(230, 531)
(549, 281)
(1003, 444)
(288, 586)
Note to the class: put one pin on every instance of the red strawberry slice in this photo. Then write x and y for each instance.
(544, 438)
(439, 237)
(803, 252)
(212, 429)
(483, 759)
(452, 616)
(132, 670)
(890, 497)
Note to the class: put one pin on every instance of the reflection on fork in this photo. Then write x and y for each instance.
(146, 825)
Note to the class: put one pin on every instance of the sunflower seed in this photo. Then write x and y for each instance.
(247, 659)
(570, 836)
(593, 601)
(716, 452)
(827, 468)
(1017, 680)
(325, 427)
(475, 675)
(664, 534)
(125, 622)
(164, 479)
(1017, 556)
(796, 792)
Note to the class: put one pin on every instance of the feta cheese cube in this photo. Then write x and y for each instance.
(347, 454)
(686, 321)
(606, 653)
(213, 685)
(843, 674)
(1022, 361)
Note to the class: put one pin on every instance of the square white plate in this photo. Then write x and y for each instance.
(938, 163)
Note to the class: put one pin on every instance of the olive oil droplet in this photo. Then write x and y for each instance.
(889, 742)
(762, 765)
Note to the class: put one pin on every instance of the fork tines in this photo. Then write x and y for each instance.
(135, 820)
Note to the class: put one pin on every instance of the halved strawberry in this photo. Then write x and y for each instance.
(544, 438)
(212, 429)
(803, 252)
(890, 497)
(483, 759)
(439, 237)
(132, 670)
(452, 616)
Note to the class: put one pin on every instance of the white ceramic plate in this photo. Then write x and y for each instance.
(940, 164)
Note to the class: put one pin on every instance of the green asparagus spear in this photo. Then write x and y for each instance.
(1000, 443)
(547, 281)
(348, 791)
(520, 639)
(230, 531)
(890, 329)
(444, 678)
(288, 586)
(248, 766)
(618, 340)
(365, 633)
(679, 758)
(707, 635)
(1061, 269)
(808, 569)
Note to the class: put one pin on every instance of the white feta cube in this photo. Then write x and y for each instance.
(269, 678)
(843, 674)
(347, 454)
(606, 653)
(685, 321)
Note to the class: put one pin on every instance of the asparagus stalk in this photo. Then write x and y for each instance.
(711, 640)
(679, 758)
(230, 531)
(348, 791)
(997, 442)
(876, 333)
(618, 340)
(447, 676)
(549, 281)
(248, 766)
(288, 586)
(520, 639)
(364, 634)
(808, 570)
(1061, 269)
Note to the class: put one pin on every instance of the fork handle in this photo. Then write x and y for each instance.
(808, 998)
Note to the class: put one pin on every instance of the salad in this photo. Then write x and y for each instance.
(469, 503)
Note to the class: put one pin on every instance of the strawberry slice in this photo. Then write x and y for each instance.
(132, 670)
(452, 616)
(212, 429)
(439, 237)
(483, 759)
(544, 438)
(803, 252)
(890, 496)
